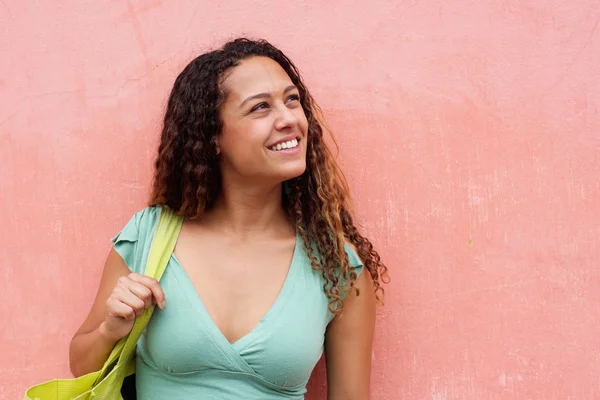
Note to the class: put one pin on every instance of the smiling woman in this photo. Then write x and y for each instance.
(261, 108)
(269, 269)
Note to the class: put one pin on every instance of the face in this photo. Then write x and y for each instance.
(264, 127)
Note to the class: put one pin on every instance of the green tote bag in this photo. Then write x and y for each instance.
(106, 383)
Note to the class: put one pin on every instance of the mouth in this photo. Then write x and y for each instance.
(285, 145)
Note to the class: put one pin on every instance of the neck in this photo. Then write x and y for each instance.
(245, 210)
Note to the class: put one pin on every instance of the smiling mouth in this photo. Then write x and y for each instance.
(290, 144)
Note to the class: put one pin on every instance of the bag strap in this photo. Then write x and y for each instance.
(163, 243)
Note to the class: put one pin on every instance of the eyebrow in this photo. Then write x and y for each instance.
(266, 95)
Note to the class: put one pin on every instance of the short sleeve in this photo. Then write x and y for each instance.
(126, 241)
(356, 264)
(353, 259)
(131, 241)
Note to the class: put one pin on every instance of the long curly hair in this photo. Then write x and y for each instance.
(188, 181)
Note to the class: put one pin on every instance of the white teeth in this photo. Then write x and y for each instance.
(285, 145)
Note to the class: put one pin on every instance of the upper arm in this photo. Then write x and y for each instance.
(349, 342)
(121, 261)
(114, 268)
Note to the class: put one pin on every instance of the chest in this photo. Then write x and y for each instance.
(237, 282)
(281, 349)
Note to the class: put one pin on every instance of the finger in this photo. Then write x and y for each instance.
(120, 309)
(142, 292)
(153, 285)
(131, 300)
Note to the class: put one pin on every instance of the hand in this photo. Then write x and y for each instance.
(132, 295)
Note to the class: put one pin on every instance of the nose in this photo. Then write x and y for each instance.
(285, 118)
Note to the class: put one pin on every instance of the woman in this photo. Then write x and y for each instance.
(267, 268)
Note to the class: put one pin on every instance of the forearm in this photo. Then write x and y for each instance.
(349, 392)
(89, 351)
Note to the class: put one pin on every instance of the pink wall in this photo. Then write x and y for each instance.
(469, 131)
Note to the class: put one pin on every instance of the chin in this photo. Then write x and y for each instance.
(291, 172)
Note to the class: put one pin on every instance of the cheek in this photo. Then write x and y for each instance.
(243, 142)
(303, 122)
(230, 144)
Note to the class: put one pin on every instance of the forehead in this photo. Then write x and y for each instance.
(255, 75)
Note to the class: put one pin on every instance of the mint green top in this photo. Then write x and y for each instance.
(182, 354)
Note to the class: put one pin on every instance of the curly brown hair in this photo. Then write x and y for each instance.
(188, 181)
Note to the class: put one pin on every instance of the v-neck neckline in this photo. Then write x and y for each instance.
(270, 314)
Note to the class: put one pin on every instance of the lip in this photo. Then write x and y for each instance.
(284, 139)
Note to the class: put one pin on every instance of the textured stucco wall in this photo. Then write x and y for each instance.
(469, 131)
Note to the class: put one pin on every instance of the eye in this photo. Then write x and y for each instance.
(259, 106)
(293, 97)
